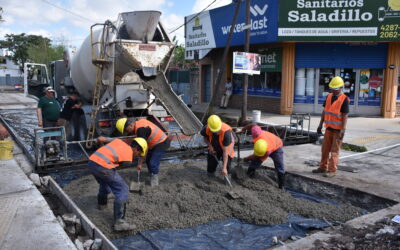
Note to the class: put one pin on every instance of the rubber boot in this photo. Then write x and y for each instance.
(102, 201)
(281, 180)
(154, 180)
(120, 224)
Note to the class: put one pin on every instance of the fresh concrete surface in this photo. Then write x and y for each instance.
(27, 221)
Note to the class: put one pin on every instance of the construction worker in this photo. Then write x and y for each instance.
(266, 145)
(220, 141)
(103, 163)
(336, 110)
(157, 141)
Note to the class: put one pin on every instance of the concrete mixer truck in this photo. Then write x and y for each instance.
(120, 70)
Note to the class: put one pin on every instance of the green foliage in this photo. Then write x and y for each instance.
(178, 59)
(354, 148)
(31, 48)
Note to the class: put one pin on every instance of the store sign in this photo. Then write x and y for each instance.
(210, 29)
(271, 59)
(341, 20)
(246, 63)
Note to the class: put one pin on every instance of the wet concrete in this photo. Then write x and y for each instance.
(187, 197)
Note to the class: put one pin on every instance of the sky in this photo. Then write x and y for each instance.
(68, 22)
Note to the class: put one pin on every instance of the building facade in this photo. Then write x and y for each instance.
(302, 48)
(10, 73)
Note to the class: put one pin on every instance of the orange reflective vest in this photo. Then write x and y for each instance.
(332, 116)
(225, 127)
(157, 135)
(273, 142)
(111, 154)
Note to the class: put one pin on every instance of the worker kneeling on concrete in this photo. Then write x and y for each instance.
(157, 142)
(220, 141)
(103, 163)
(266, 145)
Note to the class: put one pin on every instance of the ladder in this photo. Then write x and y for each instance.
(100, 63)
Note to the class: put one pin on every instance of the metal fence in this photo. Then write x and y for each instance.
(183, 82)
(11, 80)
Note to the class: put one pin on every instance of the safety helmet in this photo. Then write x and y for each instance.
(142, 143)
(260, 148)
(120, 125)
(336, 82)
(214, 123)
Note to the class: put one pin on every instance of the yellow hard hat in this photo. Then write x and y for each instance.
(143, 144)
(260, 148)
(120, 125)
(336, 82)
(214, 123)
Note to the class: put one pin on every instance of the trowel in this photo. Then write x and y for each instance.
(135, 186)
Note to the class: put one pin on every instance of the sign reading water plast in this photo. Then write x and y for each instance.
(210, 29)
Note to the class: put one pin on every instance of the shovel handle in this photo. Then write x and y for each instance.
(227, 179)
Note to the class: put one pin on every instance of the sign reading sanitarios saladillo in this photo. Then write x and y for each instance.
(339, 20)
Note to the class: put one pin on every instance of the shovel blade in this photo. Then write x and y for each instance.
(233, 195)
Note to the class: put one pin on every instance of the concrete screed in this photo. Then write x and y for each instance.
(186, 197)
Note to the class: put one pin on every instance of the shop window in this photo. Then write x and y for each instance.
(265, 84)
(304, 85)
(371, 86)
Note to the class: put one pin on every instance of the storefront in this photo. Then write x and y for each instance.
(311, 42)
(360, 65)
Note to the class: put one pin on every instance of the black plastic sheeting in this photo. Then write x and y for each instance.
(226, 234)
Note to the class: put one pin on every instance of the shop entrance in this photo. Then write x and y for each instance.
(363, 86)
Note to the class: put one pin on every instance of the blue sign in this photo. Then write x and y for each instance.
(263, 19)
(304, 99)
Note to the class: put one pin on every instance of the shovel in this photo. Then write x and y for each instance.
(135, 186)
(231, 194)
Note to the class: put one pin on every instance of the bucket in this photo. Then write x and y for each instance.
(256, 116)
(6, 150)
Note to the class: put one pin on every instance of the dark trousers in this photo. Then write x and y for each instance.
(76, 124)
(49, 124)
(212, 163)
(109, 181)
(153, 159)
(277, 158)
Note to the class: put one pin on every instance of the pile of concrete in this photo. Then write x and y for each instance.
(186, 197)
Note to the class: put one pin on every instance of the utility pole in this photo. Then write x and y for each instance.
(246, 76)
(222, 65)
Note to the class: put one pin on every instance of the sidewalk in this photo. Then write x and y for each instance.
(27, 221)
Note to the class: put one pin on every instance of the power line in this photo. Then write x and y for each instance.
(192, 17)
(70, 12)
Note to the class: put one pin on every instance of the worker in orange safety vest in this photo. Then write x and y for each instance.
(103, 164)
(266, 145)
(220, 141)
(158, 142)
(336, 109)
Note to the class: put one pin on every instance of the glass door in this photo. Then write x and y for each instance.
(350, 79)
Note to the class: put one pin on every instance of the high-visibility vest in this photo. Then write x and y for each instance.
(332, 116)
(273, 142)
(225, 127)
(157, 135)
(111, 154)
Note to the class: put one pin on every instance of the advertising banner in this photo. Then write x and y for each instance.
(246, 63)
(271, 59)
(210, 29)
(339, 20)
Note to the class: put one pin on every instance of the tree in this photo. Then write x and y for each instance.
(178, 58)
(32, 48)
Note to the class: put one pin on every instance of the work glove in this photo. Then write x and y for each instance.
(319, 130)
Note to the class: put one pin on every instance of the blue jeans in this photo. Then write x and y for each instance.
(110, 181)
(276, 156)
(153, 159)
